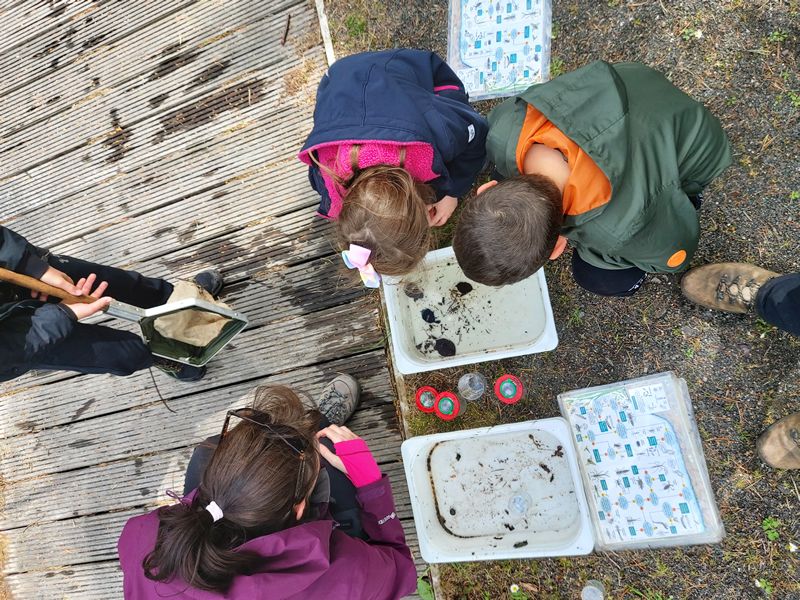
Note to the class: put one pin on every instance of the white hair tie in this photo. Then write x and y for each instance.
(215, 510)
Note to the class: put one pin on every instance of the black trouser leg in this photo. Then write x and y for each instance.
(126, 286)
(606, 282)
(778, 302)
(343, 504)
(97, 349)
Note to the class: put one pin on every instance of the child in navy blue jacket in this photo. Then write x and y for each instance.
(37, 334)
(394, 144)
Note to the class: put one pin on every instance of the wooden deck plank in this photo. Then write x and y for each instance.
(100, 144)
(140, 480)
(39, 58)
(94, 581)
(165, 58)
(303, 289)
(216, 172)
(303, 342)
(365, 365)
(24, 20)
(255, 252)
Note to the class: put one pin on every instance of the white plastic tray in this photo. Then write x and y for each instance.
(511, 491)
(486, 323)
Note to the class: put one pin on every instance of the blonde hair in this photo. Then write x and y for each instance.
(385, 210)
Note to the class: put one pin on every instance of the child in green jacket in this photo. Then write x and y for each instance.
(609, 158)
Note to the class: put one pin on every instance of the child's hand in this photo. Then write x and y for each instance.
(57, 279)
(336, 434)
(439, 213)
(352, 457)
(84, 288)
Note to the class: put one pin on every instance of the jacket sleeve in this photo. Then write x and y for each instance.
(318, 183)
(467, 129)
(465, 158)
(18, 255)
(390, 556)
(703, 149)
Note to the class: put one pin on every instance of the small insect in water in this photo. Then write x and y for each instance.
(464, 288)
(428, 316)
(413, 291)
(445, 347)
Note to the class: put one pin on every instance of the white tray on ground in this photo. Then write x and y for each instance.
(511, 491)
(436, 310)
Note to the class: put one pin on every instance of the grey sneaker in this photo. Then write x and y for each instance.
(779, 445)
(339, 399)
(731, 287)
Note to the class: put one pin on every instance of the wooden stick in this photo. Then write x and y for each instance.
(44, 288)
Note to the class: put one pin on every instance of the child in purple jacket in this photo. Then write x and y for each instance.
(258, 524)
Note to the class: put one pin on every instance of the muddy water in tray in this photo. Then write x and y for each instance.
(504, 491)
(445, 314)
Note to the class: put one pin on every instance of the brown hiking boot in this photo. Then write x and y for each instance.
(779, 445)
(731, 287)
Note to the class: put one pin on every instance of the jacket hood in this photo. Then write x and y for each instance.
(295, 558)
(354, 102)
(589, 105)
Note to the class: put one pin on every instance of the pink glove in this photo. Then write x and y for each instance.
(358, 461)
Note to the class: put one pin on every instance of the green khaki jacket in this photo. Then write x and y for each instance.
(656, 145)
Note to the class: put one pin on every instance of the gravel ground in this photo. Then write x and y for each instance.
(741, 59)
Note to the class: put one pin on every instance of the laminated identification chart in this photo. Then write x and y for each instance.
(499, 48)
(637, 479)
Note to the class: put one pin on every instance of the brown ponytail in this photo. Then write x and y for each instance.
(253, 478)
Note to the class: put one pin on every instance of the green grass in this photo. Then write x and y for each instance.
(778, 36)
(771, 527)
(557, 67)
(356, 25)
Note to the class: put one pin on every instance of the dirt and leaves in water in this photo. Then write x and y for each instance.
(741, 60)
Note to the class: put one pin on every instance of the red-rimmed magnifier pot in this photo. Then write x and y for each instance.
(508, 389)
(426, 399)
(448, 406)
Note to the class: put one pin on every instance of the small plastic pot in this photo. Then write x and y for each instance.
(426, 399)
(508, 389)
(448, 406)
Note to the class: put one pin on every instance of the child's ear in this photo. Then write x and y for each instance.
(486, 186)
(561, 245)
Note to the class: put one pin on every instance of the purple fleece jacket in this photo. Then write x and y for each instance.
(310, 560)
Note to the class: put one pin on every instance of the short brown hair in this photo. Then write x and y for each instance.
(386, 210)
(508, 232)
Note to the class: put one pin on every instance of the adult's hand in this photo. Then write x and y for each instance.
(57, 279)
(84, 288)
(336, 434)
(439, 213)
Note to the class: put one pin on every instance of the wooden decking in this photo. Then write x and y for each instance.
(161, 135)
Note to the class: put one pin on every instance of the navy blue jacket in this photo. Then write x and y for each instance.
(28, 328)
(401, 96)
